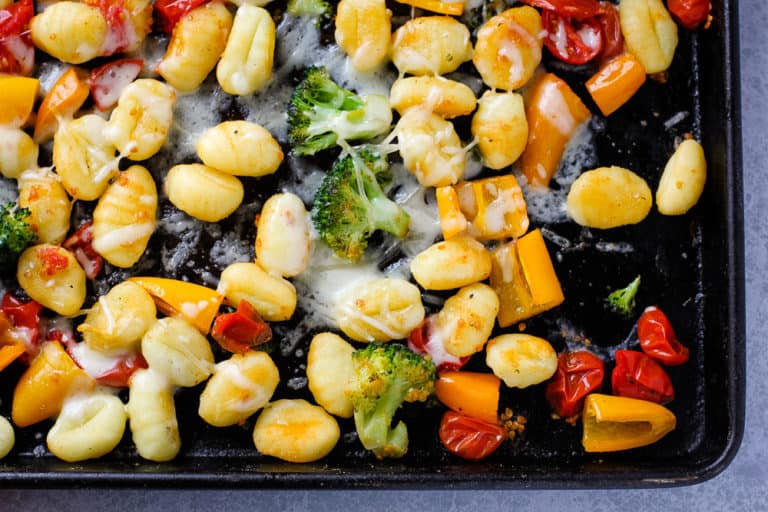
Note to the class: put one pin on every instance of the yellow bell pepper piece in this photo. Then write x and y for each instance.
(554, 112)
(451, 8)
(524, 278)
(195, 303)
(17, 99)
(487, 209)
(41, 390)
(616, 82)
(471, 393)
(613, 423)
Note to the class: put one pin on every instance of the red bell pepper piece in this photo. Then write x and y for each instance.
(239, 331)
(80, 243)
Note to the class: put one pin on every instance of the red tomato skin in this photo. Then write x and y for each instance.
(613, 39)
(421, 342)
(690, 13)
(169, 12)
(578, 374)
(658, 340)
(107, 81)
(80, 243)
(239, 331)
(576, 9)
(576, 50)
(470, 438)
(17, 53)
(24, 315)
(119, 375)
(638, 376)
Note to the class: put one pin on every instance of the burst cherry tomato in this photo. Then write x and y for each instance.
(423, 341)
(108, 81)
(638, 376)
(690, 13)
(658, 340)
(578, 374)
(25, 318)
(80, 243)
(17, 53)
(613, 40)
(576, 9)
(169, 12)
(470, 438)
(119, 375)
(571, 40)
(239, 331)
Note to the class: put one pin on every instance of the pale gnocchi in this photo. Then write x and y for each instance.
(296, 431)
(41, 192)
(451, 264)
(246, 64)
(329, 369)
(175, 349)
(272, 296)
(446, 98)
(430, 148)
(18, 152)
(152, 416)
(203, 192)
(521, 360)
(362, 30)
(283, 242)
(240, 148)
(7, 437)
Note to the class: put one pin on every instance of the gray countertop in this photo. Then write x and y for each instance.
(743, 486)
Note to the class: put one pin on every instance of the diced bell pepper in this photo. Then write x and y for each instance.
(195, 303)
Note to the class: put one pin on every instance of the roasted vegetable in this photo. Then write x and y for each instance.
(623, 300)
(15, 235)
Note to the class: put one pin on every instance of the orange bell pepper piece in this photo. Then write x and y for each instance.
(616, 82)
(471, 393)
(64, 99)
(10, 347)
(17, 99)
(554, 112)
(613, 423)
(9, 353)
(195, 303)
(41, 390)
(524, 278)
(487, 209)
(451, 8)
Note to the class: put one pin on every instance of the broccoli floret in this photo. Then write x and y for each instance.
(321, 112)
(321, 8)
(623, 300)
(350, 204)
(15, 235)
(386, 375)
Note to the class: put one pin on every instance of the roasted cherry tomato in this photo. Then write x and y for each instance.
(571, 40)
(169, 12)
(658, 340)
(80, 243)
(239, 331)
(578, 374)
(25, 318)
(613, 40)
(17, 53)
(638, 376)
(468, 437)
(422, 341)
(108, 81)
(690, 13)
(576, 9)
(119, 375)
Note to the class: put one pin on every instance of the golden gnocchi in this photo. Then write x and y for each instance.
(431, 45)
(501, 128)
(72, 32)
(41, 192)
(466, 320)
(239, 387)
(295, 431)
(430, 148)
(18, 152)
(51, 275)
(521, 360)
(203, 192)
(176, 349)
(197, 42)
(272, 296)
(329, 369)
(451, 264)
(84, 158)
(282, 235)
(363, 30)
(246, 64)
(152, 416)
(118, 320)
(379, 310)
(88, 427)
(446, 98)
(124, 218)
(139, 125)
(649, 32)
(683, 179)
(240, 148)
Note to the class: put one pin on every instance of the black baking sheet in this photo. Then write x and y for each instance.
(691, 266)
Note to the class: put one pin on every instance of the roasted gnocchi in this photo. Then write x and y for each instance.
(152, 416)
(203, 192)
(362, 30)
(246, 64)
(240, 148)
(329, 369)
(272, 296)
(51, 275)
(431, 45)
(283, 242)
(177, 351)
